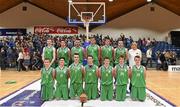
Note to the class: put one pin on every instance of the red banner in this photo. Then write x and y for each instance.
(56, 29)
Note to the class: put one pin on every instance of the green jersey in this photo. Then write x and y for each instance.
(107, 52)
(90, 75)
(106, 75)
(63, 52)
(46, 76)
(118, 53)
(76, 75)
(61, 75)
(121, 75)
(78, 50)
(93, 50)
(138, 79)
(48, 53)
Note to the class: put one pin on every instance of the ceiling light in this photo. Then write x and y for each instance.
(110, 0)
(149, 0)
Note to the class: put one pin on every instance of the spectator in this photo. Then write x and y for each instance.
(149, 57)
(20, 60)
(2, 59)
(26, 61)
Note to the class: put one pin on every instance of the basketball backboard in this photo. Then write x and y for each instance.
(80, 11)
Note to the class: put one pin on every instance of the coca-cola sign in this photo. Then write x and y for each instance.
(56, 29)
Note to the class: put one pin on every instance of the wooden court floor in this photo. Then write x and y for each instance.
(165, 84)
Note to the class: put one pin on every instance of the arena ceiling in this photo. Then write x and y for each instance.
(114, 9)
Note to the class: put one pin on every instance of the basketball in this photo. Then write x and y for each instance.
(83, 98)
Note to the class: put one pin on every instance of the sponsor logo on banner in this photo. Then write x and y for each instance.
(174, 68)
(56, 29)
(12, 32)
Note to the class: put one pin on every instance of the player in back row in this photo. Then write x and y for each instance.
(98, 53)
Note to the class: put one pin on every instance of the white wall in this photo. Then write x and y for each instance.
(15, 17)
(141, 23)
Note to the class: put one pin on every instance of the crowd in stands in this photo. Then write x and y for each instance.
(24, 52)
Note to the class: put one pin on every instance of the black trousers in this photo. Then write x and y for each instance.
(149, 59)
(20, 65)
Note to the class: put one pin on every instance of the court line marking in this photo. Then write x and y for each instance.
(156, 94)
(19, 89)
(164, 99)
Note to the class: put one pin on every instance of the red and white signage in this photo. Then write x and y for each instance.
(56, 29)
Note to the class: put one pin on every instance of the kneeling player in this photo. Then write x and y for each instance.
(91, 80)
(121, 75)
(76, 77)
(62, 80)
(138, 89)
(47, 81)
(105, 74)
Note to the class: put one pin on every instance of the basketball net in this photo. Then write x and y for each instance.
(86, 20)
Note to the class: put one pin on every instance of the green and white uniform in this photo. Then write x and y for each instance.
(62, 83)
(47, 84)
(76, 80)
(107, 52)
(48, 54)
(63, 52)
(138, 90)
(118, 53)
(93, 50)
(78, 50)
(106, 83)
(91, 81)
(121, 82)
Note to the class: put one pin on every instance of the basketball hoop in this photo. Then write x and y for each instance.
(86, 20)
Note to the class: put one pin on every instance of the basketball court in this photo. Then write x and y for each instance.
(93, 17)
(162, 90)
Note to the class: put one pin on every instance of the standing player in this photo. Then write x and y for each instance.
(77, 49)
(76, 77)
(138, 76)
(64, 52)
(91, 80)
(107, 51)
(121, 71)
(62, 80)
(47, 81)
(49, 52)
(94, 51)
(120, 50)
(106, 76)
